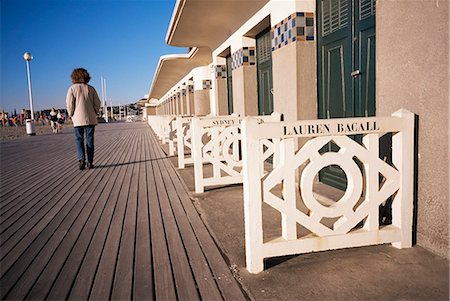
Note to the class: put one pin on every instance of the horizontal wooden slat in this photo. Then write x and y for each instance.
(124, 230)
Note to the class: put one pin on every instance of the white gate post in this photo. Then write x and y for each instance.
(216, 151)
(180, 142)
(251, 152)
(288, 224)
(403, 159)
(197, 149)
(172, 137)
(371, 142)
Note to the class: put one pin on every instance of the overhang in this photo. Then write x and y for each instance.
(172, 68)
(208, 23)
(141, 102)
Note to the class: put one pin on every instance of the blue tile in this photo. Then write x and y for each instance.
(300, 14)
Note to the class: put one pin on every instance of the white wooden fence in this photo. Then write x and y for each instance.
(161, 125)
(329, 227)
(171, 135)
(183, 126)
(217, 141)
(183, 134)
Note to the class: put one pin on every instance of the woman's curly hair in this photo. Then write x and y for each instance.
(80, 75)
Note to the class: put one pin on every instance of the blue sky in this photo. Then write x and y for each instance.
(120, 40)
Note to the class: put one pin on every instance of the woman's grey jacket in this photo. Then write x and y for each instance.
(83, 104)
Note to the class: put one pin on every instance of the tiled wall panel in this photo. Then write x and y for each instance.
(243, 57)
(296, 27)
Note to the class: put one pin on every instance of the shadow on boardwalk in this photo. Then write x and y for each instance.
(124, 230)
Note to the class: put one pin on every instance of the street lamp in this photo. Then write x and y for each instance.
(29, 123)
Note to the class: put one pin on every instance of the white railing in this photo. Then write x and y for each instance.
(161, 125)
(183, 126)
(171, 137)
(328, 226)
(217, 141)
(183, 132)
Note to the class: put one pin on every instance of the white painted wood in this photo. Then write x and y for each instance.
(361, 200)
(252, 199)
(197, 133)
(172, 136)
(403, 159)
(371, 142)
(221, 149)
(288, 223)
(358, 238)
(183, 133)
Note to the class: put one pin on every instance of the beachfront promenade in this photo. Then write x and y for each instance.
(128, 229)
(124, 230)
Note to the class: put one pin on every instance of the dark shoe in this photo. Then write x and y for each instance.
(90, 165)
(81, 164)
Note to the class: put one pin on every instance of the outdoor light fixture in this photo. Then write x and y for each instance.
(29, 122)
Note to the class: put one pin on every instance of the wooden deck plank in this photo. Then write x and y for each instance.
(143, 278)
(62, 244)
(31, 201)
(125, 230)
(43, 228)
(85, 277)
(54, 254)
(202, 274)
(21, 230)
(104, 277)
(226, 282)
(66, 260)
(123, 275)
(49, 174)
(184, 282)
(15, 168)
(162, 272)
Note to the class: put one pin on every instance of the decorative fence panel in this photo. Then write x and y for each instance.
(217, 141)
(183, 125)
(171, 130)
(183, 133)
(161, 125)
(351, 221)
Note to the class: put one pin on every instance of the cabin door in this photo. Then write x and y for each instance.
(346, 66)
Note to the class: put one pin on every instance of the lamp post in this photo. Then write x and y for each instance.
(29, 122)
(28, 57)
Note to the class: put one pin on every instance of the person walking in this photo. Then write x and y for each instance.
(54, 121)
(83, 105)
(60, 121)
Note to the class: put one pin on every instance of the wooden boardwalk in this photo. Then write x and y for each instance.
(124, 230)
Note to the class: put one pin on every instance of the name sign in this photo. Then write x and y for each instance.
(225, 122)
(232, 121)
(324, 127)
(338, 128)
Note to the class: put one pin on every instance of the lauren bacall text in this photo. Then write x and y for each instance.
(319, 129)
